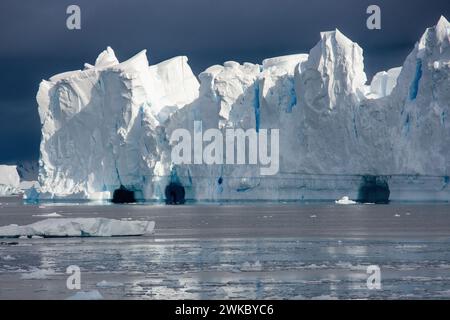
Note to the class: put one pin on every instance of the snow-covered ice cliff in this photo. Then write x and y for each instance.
(110, 124)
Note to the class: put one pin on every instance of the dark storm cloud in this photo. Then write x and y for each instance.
(35, 44)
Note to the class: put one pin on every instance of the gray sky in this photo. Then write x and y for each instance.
(35, 43)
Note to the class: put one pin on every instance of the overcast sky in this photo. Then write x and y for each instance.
(35, 43)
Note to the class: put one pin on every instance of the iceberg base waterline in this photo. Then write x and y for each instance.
(286, 187)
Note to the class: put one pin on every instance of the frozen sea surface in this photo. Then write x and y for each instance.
(249, 251)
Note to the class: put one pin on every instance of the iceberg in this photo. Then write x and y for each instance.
(79, 227)
(9, 180)
(107, 129)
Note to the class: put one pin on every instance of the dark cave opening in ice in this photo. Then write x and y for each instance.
(123, 195)
(374, 189)
(175, 193)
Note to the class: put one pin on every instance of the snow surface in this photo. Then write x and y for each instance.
(110, 124)
(79, 227)
(9, 180)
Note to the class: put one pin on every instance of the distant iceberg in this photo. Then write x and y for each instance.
(9, 180)
(107, 128)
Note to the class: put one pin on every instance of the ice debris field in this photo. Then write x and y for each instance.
(106, 129)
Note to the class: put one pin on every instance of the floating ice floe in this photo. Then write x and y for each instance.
(345, 200)
(79, 227)
(247, 266)
(86, 295)
(48, 215)
(109, 284)
(38, 274)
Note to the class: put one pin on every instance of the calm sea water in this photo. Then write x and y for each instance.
(232, 251)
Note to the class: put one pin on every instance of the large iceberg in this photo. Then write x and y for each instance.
(109, 127)
(9, 180)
